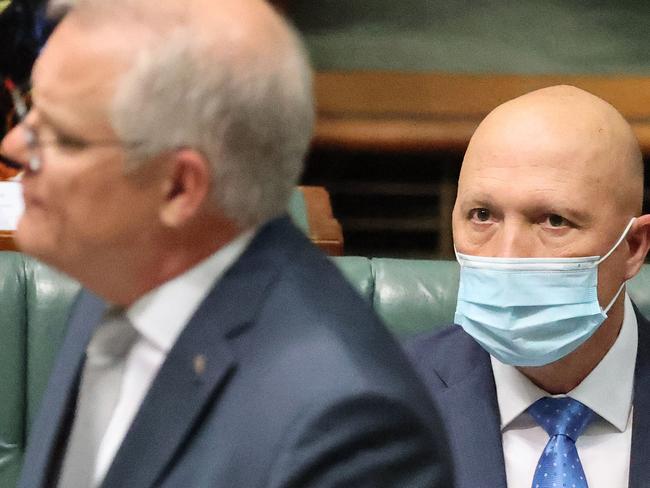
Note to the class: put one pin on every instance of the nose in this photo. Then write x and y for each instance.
(513, 241)
(13, 152)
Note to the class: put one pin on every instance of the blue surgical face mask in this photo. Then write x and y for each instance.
(531, 311)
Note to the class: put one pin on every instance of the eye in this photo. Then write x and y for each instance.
(70, 143)
(46, 135)
(556, 221)
(480, 214)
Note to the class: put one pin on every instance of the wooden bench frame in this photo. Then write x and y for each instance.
(7, 241)
(324, 230)
(394, 111)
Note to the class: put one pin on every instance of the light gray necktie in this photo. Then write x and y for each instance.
(98, 394)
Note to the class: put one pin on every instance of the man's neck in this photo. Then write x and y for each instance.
(124, 277)
(565, 374)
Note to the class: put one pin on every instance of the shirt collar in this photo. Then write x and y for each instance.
(607, 390)
(161, 314)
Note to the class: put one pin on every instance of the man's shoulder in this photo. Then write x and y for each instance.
(317, 338)
(317, 360)
(449, 342)
(329, 337)
(297, 263)
(445, 356)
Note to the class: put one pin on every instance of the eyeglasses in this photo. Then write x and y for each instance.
(34, 144)
(21, 109)
(14, 118)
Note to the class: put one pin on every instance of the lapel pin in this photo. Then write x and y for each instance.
(199, 364)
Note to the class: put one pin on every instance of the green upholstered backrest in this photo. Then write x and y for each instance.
(410, 295)
(414, 296)
(34, 305)
(298, 210)
(13, 324)
(49, 296)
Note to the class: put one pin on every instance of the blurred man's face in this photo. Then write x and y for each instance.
(528, 189)
(80, 205)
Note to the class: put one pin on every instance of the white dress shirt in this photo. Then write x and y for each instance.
(604, 447)
(159, 317)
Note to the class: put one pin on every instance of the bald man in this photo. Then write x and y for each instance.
(544, 381)
(212, 345)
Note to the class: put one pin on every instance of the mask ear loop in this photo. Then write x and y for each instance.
(620, 239)
(609, 305)
(456, 256)
(618, 243)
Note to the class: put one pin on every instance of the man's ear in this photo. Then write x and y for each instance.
(638, 241)
(186, 187)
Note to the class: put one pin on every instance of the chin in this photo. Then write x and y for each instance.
(35, 240)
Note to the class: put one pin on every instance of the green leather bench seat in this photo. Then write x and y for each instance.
(412, 296)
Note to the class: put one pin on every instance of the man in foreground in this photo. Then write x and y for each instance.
(545, 380)
(213, 346)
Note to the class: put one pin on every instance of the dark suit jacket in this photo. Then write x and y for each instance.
(302, 387)
(458, 374)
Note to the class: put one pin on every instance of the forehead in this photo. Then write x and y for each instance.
(527, 162)
(79, 65)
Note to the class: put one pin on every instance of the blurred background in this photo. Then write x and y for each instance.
(401, 86)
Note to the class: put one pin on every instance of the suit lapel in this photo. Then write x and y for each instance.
(199, 365)
(193, 373)
(640, 453)
(471, 414)
(52, 424)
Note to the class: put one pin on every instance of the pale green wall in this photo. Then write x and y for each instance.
(526, 36)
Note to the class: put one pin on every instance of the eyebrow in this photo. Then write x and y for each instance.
(575, 215)
(480, 199)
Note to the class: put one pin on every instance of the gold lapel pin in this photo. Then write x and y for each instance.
(200, 363)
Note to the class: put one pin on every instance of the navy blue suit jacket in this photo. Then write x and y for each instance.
(458, 374)
(302, 387)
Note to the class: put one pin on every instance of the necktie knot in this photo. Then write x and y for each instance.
(561, 416)
(112, 340)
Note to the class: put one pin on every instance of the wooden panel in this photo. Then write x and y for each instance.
(7, 241)
(6, 173)
(416, 111)
(324, 230)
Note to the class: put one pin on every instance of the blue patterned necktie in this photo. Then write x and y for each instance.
(563, 419)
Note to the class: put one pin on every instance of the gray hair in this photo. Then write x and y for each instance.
(248, 108)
